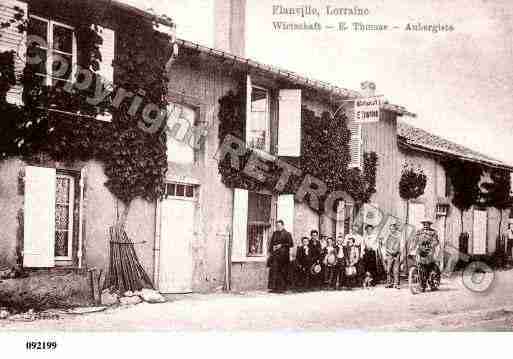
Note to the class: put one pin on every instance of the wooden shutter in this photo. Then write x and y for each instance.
(106, 71)
(12, 40)
(239, 224)
(285, 211)
(39, 217)
(355, 144)
(289, 123)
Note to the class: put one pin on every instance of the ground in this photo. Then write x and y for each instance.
(453, 307)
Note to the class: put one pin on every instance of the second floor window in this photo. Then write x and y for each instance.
(56, 50)
(258, 124)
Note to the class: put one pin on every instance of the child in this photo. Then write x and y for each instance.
(337, 281)
(329, 261)
(367, 281)
(304, 263)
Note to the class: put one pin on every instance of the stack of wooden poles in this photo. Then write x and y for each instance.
(125, 272)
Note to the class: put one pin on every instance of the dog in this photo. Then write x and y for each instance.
(367, 281)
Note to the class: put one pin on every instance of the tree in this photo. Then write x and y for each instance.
(411, 185)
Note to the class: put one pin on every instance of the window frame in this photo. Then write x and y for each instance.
(71, 212)
(48, 78)
(267, 230)
(267, 145)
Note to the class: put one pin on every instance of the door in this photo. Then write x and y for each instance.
(177, 231)
(479, 232)
(416, 214)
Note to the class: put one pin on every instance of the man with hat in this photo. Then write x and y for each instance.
(426, 241)
(391, 254)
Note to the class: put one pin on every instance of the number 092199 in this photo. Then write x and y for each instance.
(36, 345)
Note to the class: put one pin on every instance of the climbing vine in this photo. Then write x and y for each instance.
(135, 161)
(497, 192)
(324, 155)
(465, 178)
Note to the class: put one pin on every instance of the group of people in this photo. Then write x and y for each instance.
(350, 261)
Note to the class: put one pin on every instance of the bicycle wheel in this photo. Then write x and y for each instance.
(414, 280)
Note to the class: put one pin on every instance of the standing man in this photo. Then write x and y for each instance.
(426, 240)
(315, 253)
(279, 258)
(391, 252)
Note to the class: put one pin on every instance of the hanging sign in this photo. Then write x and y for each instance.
(366, 110)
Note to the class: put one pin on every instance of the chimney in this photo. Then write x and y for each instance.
(368, 88)
(230, 26)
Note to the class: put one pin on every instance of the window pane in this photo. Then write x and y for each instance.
(62, 39)
(180, 190)
(189, 191)
(61, 244)
(256, 235)
(171, 189)
(38, 28)
(36, 57)
(259, 222)
(259, 208)
(61, 66)
(61, 217)
(62, 190)
(258, 124)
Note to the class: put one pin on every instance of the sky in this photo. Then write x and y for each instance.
(459, 83)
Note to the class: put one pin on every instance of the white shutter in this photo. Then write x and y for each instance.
(289, 123)
(355, 144)
(106, 71)
(39, 217)
(11, 39)
(249, 87)
(107, 52)
(239, 224)
(285, 211)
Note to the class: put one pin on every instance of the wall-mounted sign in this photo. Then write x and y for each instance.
(366, 110)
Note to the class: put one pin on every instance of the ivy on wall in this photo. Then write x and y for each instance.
(324, 155)
(465, 178)
(497, 192)
(135, 161)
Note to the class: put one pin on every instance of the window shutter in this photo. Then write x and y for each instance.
(240, 223)
(11, 39)
(355, 145)
(249, 86)
(39, 217)
(289, 123)
(285, 211)
(106, 71)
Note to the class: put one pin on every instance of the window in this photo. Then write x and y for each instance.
(51, 222)
(57, 51)
(180, 190)
(259, 223)
(64, 205)
(258, 124)
(447, 185)
(181, 123)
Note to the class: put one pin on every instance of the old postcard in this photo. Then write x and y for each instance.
(256, 166)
